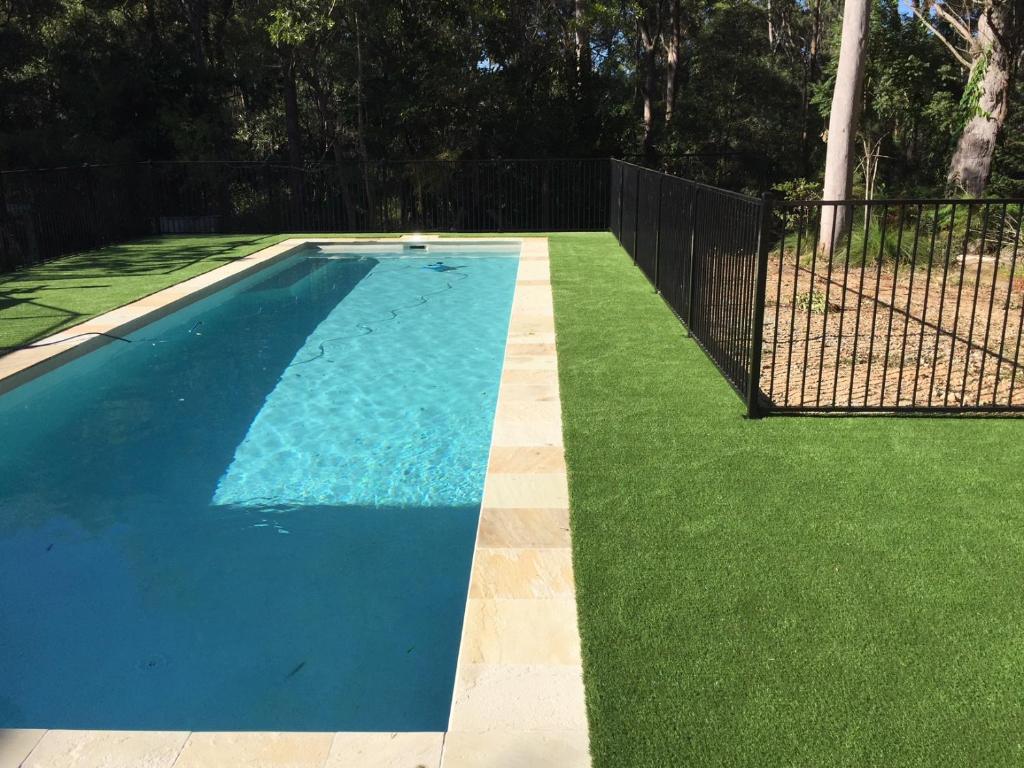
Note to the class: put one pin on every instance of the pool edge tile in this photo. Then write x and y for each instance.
(16, 744)
(518, 697)
(385, 750)
(227, 749)
(107, 749)
(517, 749)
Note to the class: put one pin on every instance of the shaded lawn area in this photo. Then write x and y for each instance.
(47, 298)
(806, 592)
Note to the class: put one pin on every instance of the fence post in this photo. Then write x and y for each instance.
(90, 194)
(657, 240)
(269, 184)
(690, 292)
(622, 176)
(754, 409)
(154, 216)
(636, 215)
(4, 234)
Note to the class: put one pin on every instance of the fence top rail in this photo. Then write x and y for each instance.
(696, 184)
(79, 167)
(314, 166)
(893, 201)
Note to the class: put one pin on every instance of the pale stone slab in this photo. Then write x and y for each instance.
(255, 750)
(522, 632)
(533, 300)
(526, 376)
(516, 491)
(531, 363)
(107, 749)
(531, 348)
(16, 744)
(526, 434)
(518, 697)
(518, 528)
(525, 337)
(385, 750)
(533, 393)
(522, 573)
(516, 749)
(538, 459)
(534, 269)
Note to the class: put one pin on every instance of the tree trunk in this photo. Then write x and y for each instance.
(582, 75)
(842, 121)
(648, 42)
(294, 136)
(581, 38)
(364, 153)
(971, 164)
(672, 61)
(291, 112)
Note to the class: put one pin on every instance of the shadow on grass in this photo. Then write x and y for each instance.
(128, 270)
(153, 256)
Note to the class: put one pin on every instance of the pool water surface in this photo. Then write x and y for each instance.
(259, 512)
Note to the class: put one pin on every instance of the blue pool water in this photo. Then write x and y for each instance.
(260, 513)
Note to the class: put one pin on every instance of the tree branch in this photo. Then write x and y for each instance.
(952, 48)
(964, 30)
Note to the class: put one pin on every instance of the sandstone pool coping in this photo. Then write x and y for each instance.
(518, 698)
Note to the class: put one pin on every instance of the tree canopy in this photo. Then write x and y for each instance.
(732, 91)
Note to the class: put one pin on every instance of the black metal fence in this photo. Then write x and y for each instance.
(804, 306)
(699, 246)
(45, 214)
(812, 306)
(918, 305)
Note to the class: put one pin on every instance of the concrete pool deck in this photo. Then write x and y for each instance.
(518, 698)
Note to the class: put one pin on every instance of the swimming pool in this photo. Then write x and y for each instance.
(259, 512)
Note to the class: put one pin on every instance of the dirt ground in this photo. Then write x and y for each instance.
(932, 338)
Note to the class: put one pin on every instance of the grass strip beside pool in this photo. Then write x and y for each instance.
(815, 591)
(46, 298)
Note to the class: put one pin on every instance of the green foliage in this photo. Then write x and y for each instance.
(166, 79)
(970, 101)
(881, 240)
(811, 301)
(909, 97)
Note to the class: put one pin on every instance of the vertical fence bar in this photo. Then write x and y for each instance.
(622, 177)
(6, 258)
(754, 409)
(657, 239)
(636, 214)
(690, 292)
(90, 193)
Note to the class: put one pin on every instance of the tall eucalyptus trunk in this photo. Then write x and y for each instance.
(991, 76)
(672, 60)
(649, 23)
(842, 122)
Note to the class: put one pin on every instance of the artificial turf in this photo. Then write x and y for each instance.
(789, 591)
(46, 298)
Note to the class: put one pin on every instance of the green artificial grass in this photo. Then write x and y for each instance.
(789, 591)
(47, 298)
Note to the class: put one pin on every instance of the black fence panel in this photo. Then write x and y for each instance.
(647, 225)
(725, 251)
(674, 264)
(615, 172)
(700, 247)
(627, 214)
(45, 214)
(895, 305)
